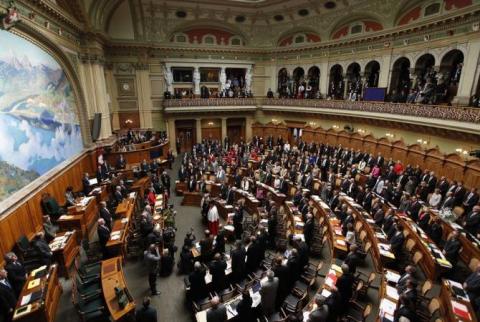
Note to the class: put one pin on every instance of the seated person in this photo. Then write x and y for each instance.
(50, 230)
(41, 246)
(86, 184)
(121, 162)
(50, 206)
(69, 197)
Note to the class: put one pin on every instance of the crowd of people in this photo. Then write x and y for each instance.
(412, 190)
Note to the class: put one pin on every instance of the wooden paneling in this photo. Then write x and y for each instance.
(131, 116)
(452, 166)
(213, 133)
(26, 217)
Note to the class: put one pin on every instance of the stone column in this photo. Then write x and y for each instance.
(172, 136)
(196, 81)
(324, 73)
(224, 127)
(385, 73)
(223, 78)
(198, 128)
(345, 85)
(100, 92)
(112, 95)
(248, 128)
(467, 78)
(144, 94)
(413, 78)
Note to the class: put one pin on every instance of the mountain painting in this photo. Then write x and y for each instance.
(39, 127)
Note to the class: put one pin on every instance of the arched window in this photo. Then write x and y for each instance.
(432, 9)
(235, 41)
(356, 29)
(209, 40)
(299, 39)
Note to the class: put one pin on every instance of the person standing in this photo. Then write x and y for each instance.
(8, 300)
(218, 311)
(146, 313)
(103, 233)
(213, 219)
(269, 293)
(152, 258)
(17, 275)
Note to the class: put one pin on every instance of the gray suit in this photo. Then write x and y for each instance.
(269, 292)
(217, 315)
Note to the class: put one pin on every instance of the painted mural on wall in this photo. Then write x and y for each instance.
(39, 128)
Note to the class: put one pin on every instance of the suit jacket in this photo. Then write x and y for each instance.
(448, 202)
(238, 261)
(472, 223)
(269, 294)
(8, 301)
(397, 242)
(198, 287)
(148, 314)
(470, 200)
(107, 216)
(103, 235)
(319, 314)
(218, 314)
(217, 269)
(16, 276)
(345, 286)
(452, 249)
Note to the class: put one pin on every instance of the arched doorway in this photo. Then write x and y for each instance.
(298, 82)
(336, 86)
(400, 83)
(354, 82)
(372, 73)
(426, 80)
(449, 75)
(313, 82)
(283, 82)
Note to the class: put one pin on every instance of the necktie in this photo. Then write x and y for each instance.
(6, 283)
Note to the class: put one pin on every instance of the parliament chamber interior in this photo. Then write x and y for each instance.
(240, 160)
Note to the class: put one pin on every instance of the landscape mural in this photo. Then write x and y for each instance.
(39, 127)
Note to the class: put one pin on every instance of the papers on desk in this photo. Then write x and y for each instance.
(331, 278)
(458, 290)
(444, 262)
(461, 310)
(93, 181)
(337, 268)
(95, 191)
(21, 311)
(325, 293)
(295, 236)
(25, 299)
(392, 292)
(131, 195)
(65, 217)
(392, 276)
(33, 283)
(341, 242)
(387, 309)
(124, 220)
(370, 221)
(116, 235)
(84, 201)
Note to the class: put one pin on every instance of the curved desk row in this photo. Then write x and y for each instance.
(137, 156)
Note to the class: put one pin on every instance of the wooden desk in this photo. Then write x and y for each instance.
(381, 248)
(388, 295)
(80, 218)
(43, 309)
(140, 186)
(251, 203)
(278, 197)
(112, 276)
(65, 248)
(138, 155)
(449, 299)
(180, 187)
(470, 247)
(191, 199)
(117, 243)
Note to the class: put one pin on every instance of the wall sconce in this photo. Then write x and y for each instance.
(422, 141)
(210, 123)
(390, 135)
(128, 121)
(361, 131)
(335, 126)
(462, 151)
(313, 123)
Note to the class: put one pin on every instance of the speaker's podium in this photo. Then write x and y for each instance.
(40, 295)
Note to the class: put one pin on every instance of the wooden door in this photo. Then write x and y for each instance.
(235, 133)
(186, 137)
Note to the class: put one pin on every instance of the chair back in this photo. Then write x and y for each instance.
(371, 278)
(417, 257)
(426, 287)
(473, 264)
(363, 234)
(358, 226)
(368, 245)
(434, 305)
(228, 294)
(367, 311)
(410, 244)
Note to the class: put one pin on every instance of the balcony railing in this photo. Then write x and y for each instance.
(210, 102)
(461, 114)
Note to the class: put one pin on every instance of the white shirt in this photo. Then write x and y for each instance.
(213, 214)
(435, 199)
(350, 238)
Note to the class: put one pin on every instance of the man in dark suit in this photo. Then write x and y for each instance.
(471, 199)
(166, 181)
(217, 269)
(345, 284)
(238, 256)
(367, 201)
(253, 255)
(308, 230)
(146, 313)
(443, 185)
(103, 236)
(192, 184)
(408, 275)
(105, 214)
(449, 201)
(121, 162)
(206, 247)
(452, 247)
(17, 275)
(353, 259)
(414, 208)
(472, 286)
(86, 184)
(198, 287)
(41, 246)
(8, 299)
(472, 221)
(218, 311)
(459, 194)
(397, 240)
(334, 201)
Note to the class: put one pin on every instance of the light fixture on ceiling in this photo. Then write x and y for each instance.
(361, 131)
(389, 135)
(335, 126)
(422, 141)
